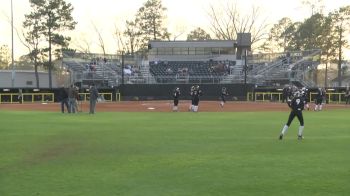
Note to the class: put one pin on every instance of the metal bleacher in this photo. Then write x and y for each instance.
(289, 68)
(93, 68)
(188, 71)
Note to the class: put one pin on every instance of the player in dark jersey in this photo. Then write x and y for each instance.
(190, 108)
(319, 99)
(196, 93)
(305, 94)
(286, 93)
(176, 96)
(347, 96)
(223, 95)
(297, 106)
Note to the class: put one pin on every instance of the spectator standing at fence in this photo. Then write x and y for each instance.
(63, 98)
(176, 96)
(297, 106)
(71, 98)
(93, 98)
(76, 95)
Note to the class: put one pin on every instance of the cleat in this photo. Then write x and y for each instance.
(280, 137)
(300, 137)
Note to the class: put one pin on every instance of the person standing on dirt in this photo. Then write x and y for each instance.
(195, 95)
(63, 98)
(285, 94)
(20, 96)
(223, 95)
(93, 98)
(71, 98)
(347, 96)
(176, 96)
(319, 99)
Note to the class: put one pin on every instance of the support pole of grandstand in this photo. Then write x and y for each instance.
(122, 68)
(12, 55)
(245, 71)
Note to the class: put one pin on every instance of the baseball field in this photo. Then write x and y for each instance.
(149, 150)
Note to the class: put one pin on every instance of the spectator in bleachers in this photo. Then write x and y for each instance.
(169, 71)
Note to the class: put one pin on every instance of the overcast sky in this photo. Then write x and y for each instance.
(181, 15)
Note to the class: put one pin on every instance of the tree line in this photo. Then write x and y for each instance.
(46, 24)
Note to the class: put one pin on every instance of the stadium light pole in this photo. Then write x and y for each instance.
(122, 67)
(245, 71)
(12, 55)
(245, 67)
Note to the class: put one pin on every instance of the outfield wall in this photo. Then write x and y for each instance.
(164, 91)
(129, 92)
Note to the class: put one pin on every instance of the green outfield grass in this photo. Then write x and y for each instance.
(182, 153)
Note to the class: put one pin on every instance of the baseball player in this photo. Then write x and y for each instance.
(297, 106)
(176, 96)
(319, 99)
(223, 95)
(196, 93)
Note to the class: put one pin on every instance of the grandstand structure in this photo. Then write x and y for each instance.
(200, 62)
(278, 69)
(88, 68)
(191, 61)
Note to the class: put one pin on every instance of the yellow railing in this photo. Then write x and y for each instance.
(277, 97)
(117, 97)
(47, 97)
(26, 97)
(85, 96)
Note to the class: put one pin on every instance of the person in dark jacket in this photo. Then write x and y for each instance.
(93, 98)
(297, 107)
(63, 98)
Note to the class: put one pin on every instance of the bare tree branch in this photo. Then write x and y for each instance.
(232, 21)
(100, 38)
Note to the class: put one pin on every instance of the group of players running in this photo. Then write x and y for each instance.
(195, 94)
(297, 100)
